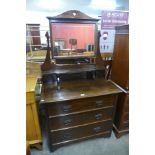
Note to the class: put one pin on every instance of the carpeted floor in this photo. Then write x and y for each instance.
(99, 146)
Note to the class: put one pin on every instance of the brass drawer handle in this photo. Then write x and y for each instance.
(97, 129)
(67, 136)
(98, 116)
(99, 103)
(67, 108)
(67, 122)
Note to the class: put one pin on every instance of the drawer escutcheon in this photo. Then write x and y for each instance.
(68, 121)
(97, 129)
(99, 103)
(66, 108)
(67, 136)
(98, 116)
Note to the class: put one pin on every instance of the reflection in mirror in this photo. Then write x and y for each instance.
(72, 39)
(36, 44)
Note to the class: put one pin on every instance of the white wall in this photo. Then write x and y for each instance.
(36, 14)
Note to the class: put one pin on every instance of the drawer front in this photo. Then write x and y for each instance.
(67, 107)
(82, 118)
(55, 146)
(79, 132)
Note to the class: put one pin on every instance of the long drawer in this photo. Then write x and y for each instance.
(54, 146)
(63, 136)
(58, 123)
(79, 105)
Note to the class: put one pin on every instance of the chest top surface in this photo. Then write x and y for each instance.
(78, 90)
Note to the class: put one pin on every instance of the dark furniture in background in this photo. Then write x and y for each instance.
(77, 108)
(120, 75)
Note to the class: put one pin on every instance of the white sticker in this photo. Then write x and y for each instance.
(82, 94)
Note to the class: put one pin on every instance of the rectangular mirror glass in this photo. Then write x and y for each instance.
(73, 39)
(36, 42)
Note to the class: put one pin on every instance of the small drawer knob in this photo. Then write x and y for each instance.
(99, 103)
(98, 116)
(67, 136)
(97, 129)
(67, 108)
(67, 122)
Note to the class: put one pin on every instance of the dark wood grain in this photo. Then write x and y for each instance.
(71, 115)
(82, 59)
(120, 63)
(80, 109)
(78, 89)
(69, 15)
(127, 104)
(59, 123)
(105, 134)
(69, 134)
(126, 125)
(47, 64)
(123, 29)
(70, 69)
(122, 115)
(120, 75)
(79, 105)
(126, 116)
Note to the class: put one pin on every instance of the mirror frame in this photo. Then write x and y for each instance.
(75, 17)
(72, 16)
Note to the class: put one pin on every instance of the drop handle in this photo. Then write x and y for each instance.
(97, 129)
(67, 136)
(67, 108)
(67, 122)
(98, 116)
(99, 103)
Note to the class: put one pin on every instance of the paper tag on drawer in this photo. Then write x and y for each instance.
(82, 94)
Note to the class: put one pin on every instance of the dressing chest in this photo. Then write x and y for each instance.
(79, 110)
(79, 103)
